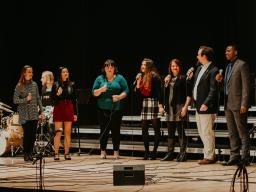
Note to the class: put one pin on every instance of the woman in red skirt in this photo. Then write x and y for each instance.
(64, 113)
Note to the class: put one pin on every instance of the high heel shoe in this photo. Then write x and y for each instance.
(103, 155)
(67, 157)
(116, 154)
(56, 157)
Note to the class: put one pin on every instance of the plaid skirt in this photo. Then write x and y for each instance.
(150, 109)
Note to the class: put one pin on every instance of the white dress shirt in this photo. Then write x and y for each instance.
(202, 71)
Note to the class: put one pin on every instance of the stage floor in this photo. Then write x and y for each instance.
(90, 173)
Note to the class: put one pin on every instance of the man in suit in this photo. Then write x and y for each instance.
(205, 95)
(237, 96)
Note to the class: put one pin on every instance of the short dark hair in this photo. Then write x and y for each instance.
(109, 62)
(208, 52)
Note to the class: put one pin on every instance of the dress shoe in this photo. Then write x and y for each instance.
(245, 162)
(232, 162)
(103, 155)
(182, 157)
(168, 157)
(56, 157)
(207, 161)
(116, 154)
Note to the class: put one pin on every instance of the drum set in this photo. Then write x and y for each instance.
(45, 133)
(11, 132)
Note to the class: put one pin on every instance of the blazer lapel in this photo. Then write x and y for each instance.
(205, 73)
(196, 73)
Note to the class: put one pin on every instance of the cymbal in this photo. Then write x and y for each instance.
(1, 103)
(5, 109)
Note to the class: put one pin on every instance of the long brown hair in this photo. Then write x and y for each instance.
(149, 73)
(22, 80)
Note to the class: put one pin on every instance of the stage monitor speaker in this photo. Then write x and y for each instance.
(129, 175)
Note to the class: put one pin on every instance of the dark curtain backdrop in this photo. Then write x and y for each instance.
(83, 34)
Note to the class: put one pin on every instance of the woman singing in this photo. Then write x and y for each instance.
(177, 99)
(110, 88)
(26, 96)
(149, 86)
(64, 113)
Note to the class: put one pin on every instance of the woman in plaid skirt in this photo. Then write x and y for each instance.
(149, 86)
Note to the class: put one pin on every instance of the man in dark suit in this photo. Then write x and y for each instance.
(205, 95)
(237, 96)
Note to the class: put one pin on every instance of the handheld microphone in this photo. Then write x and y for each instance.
(137, 77)
(29, 94)
(220, 75)
(167, 80)
(191, 69)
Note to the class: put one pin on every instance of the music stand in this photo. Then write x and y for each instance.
(83, 97)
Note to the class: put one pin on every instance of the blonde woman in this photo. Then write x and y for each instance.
(47, 94)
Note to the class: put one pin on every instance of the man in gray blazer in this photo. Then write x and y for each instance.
(236, 95)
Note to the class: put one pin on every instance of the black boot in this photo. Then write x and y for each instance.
(146, 156)
(168, 157)
(26, 157)
(153, 156)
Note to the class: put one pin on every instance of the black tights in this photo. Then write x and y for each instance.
(145, 135)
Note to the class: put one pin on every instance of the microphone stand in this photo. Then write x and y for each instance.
(39, 156)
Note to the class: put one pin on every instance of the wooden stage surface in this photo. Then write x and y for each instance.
(90, 173)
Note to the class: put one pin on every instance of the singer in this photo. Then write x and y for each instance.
(237, 102)
(177, 98)
(205, 95)
(111, 89)
(26, 96)
(64, 112)
(149, 87)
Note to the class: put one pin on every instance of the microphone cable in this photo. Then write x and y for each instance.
(187, 115)
(216, 123)
(112, 111)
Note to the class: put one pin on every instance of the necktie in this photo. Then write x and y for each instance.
(229, 69)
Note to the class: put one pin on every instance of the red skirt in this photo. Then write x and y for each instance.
(63, 111)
